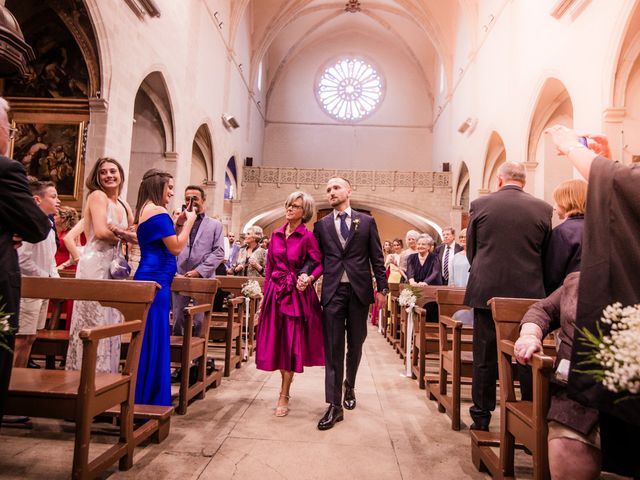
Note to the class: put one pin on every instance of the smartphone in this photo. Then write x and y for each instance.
(190, 204)
(584, 141)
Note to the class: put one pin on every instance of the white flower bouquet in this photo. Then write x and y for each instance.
(408, 297)
(616, 356)
(251, 289)
(5, 328)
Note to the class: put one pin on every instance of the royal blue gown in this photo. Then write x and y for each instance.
(153, 386)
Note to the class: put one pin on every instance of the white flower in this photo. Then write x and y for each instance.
(5, 326)
(407, 299)
(251, 289)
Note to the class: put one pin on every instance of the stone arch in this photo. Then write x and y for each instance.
(553, 106)
(152, 140)
(496, 155)
(202, 157)
(403, 218)
(231, 179)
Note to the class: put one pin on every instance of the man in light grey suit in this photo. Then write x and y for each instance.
(201, 256)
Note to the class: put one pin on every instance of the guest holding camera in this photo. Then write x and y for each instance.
(159, 246)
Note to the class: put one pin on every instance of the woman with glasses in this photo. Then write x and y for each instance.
(251, 257)
(459, 275)
(290, 327)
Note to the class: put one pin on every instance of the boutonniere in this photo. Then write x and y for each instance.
(356, 224)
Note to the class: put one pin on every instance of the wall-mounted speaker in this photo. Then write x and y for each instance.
(446, 167)
(248, 162)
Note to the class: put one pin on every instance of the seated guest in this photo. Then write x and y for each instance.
(565, 246)
(423, 267)
(36, 260)
(251, 257)
(574, 440)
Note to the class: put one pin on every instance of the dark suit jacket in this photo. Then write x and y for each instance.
(507, 238)
(19, 215)
(440, 253)
(564, 252)
(362, 253)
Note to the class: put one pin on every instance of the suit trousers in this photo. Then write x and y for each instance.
(179, 302)
(344, 313)
(485, 367)
(6, 363)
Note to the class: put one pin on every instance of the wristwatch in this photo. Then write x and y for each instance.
(385, 292)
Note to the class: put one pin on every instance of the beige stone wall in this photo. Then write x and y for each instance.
(419, 199)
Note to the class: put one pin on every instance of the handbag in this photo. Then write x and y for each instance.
(119, 268)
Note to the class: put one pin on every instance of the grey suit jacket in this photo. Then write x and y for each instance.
(207, 251)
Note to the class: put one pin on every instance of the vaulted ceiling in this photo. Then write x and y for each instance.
(425, 30)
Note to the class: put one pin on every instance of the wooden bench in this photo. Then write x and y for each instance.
(191, 346)
(524, 421)
(83, 395)
(425, 336)
(233, 285)
(455, 355)
(393, 319)
(227, 328)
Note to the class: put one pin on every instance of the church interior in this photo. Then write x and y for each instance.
(417, 103)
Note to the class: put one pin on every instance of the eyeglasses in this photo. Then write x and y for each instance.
(295, 207)
(12, 132)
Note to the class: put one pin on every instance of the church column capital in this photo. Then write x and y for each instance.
(614, 114)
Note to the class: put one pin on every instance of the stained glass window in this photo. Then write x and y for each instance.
(351, 89)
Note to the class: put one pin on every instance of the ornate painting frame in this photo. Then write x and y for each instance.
(51, 150)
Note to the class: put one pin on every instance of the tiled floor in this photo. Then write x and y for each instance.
(394, 433)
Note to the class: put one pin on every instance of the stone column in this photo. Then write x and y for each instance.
(612, 127)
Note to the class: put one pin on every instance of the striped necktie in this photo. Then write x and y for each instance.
(445, 266)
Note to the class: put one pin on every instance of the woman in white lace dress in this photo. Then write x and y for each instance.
(106, 219)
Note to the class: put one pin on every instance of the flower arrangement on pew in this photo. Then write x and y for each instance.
(408, 297)
(251, 289)
(5, 328)
(616, 355)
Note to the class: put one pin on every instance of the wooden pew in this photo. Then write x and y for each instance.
(522, 421)
(233, 285)
(227, 328)
(83, 395)
(185, 349)
(455, 354)
(425, 335)
(393, 321)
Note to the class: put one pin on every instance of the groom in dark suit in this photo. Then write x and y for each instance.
(351, 248)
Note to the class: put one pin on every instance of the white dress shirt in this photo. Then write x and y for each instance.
(39, 259)
(452, 252)
(343, 242)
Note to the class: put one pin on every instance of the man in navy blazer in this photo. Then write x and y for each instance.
(447, 249)
(351, 249)
(201, 256)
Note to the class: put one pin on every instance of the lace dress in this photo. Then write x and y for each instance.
(94, 264)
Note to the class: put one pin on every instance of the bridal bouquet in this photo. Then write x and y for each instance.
(617, 355)
(251, 289)
(5, 329)
(408, 298)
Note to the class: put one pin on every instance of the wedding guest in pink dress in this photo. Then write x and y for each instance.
(289, 333)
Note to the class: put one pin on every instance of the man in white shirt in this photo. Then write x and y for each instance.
(36, 260)
(445, 251)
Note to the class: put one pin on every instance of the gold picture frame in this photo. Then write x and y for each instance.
(51, 151)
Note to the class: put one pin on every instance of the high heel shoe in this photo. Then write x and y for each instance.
(282, 410)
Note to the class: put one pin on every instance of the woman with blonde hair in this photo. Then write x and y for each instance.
(565, 246)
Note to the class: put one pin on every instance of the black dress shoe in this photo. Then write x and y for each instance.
(349, 397)
(333, 415)
(32, 364)
(477, 426)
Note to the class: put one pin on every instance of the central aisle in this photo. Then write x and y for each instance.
(394, 433)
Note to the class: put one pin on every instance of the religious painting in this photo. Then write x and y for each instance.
(51, 151)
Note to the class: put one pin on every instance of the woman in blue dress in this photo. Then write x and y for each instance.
(159, 246)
